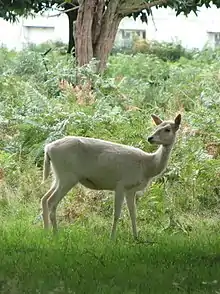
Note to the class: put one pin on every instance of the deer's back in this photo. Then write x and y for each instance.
(98, 164)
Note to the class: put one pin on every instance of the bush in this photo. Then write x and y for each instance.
(169, 51)
(38, 105)
(163, 50)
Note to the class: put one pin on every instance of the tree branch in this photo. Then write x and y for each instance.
(64, 11)
(126, 9)
(70, 9)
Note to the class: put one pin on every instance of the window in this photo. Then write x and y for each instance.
(128, 34)
(217, 39)
(124, 37)
(214, 38)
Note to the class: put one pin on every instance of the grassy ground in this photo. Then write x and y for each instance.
(82, 260)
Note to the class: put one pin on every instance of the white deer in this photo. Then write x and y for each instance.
(103, 165)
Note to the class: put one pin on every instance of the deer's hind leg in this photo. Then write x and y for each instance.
(44, 205)
(61, 190)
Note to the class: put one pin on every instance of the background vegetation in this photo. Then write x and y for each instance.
(39, 102)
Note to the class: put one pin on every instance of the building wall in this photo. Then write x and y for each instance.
(192, 31)
(37, 30)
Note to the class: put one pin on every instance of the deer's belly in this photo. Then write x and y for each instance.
(139, 186)
(95, 184)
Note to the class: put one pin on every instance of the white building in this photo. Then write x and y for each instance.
(192, 31)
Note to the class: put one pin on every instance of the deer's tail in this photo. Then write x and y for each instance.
(46, 168)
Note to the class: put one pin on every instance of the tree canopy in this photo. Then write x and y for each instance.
(10, 10)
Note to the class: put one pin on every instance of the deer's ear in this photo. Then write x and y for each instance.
(177, 121)
(156, 119)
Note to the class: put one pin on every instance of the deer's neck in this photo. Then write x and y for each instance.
(160, 159)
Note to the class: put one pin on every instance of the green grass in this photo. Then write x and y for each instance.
(84, 260)
(180, 210)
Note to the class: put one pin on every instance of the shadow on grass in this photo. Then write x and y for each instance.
(78, 262)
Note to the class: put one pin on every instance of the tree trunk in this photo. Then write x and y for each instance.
(72, 16)
(84, 49)
(105, 41)
(71, 42)
(104, 33)
(97, 24)
(96, 28)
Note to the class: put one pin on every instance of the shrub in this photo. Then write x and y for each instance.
(38, 105)
(166, 51)
(169, 51)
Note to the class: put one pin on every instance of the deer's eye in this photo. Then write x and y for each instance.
(167, 130)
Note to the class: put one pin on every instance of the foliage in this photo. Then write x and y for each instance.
(39, 102)
(169, 51)
(186, 7)
(163, 50)
(10, 10)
